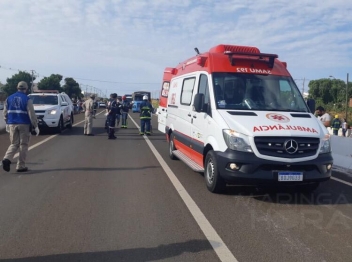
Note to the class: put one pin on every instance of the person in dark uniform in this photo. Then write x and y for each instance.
(111, 116)
(145, 116)
(125, 109)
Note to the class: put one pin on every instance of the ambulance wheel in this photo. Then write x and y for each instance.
(213, 180)
(172, 147)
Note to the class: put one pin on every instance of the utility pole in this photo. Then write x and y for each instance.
(346, 98)
(32, 81)
(304, 79)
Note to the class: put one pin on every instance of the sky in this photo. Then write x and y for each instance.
(123, 46)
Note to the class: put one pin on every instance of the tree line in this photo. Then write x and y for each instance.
(53, 82)
(330, 93)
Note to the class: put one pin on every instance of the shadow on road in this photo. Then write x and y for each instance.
(130, 255)
(86, 169)
(324, 195)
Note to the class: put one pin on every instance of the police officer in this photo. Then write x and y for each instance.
(111, 116)
(145, 116)
(19, 115)
(88, 107)
(125, 109)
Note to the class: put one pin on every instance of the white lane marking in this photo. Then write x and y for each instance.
(214, 239)
(49, 138)
(342, 181)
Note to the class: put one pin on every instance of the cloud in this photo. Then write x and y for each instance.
(133, 41)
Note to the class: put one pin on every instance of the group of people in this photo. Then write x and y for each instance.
(115, 111)
(21, 121)
(335, 124)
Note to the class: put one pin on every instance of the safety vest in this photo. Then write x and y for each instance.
(17, 109)
(146, 109)
(336, 123)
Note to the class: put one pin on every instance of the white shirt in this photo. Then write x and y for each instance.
(325, 117)
(344, 125)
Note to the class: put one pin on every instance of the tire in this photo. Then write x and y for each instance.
(307, 188)
(213, 180)
(69, 126)
(172, 147)
(60, 126)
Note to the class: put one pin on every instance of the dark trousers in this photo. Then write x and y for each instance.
(335, 131)
(111, 121)
(124, 118)
(145, 125)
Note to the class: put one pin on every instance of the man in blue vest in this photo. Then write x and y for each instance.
(145, 116)
(19, 115)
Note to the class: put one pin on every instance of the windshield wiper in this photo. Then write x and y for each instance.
(287, 110)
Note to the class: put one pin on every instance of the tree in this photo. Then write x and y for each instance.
(51, 83)
(71, 88)
(11, 83)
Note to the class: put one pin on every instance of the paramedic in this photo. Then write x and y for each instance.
(145, 116)
(234, 95)
(19, 115)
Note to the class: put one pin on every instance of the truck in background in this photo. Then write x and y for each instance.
(137, 98)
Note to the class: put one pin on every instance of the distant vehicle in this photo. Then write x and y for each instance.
(1, 105)
(101, 104)
(129, 100)
(137, 98)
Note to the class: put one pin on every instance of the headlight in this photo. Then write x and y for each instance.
(236, 141)
(51, 112)
(325, 145)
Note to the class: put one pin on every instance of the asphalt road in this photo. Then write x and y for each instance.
(93, 199)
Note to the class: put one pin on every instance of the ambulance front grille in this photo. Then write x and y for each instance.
(287, 147)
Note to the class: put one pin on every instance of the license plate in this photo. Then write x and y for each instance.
(290, 176)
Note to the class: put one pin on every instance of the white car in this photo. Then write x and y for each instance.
(102, 104)
(53, 110)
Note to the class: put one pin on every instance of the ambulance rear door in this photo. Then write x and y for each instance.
(162, 109)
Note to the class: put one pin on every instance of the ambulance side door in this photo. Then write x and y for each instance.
(199, 126)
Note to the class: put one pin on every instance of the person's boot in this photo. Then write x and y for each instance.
(6, 164)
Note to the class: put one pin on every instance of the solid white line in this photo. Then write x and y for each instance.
(342, 181)
(49, 138)
(214, 239)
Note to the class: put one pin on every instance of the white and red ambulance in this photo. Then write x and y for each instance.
(236, 114)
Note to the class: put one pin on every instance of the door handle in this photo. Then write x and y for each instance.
(189, 115)
(194, 116)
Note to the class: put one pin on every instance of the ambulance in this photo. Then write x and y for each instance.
(236, 115)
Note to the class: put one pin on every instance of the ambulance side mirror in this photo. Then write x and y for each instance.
(198, 102)
(311, 105)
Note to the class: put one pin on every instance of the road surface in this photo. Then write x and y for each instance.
(94, 199)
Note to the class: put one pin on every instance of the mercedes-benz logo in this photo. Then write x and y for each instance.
(291, 146)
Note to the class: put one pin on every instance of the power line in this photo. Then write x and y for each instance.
(93, 80)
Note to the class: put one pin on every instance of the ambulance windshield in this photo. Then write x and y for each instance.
(257, 92)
